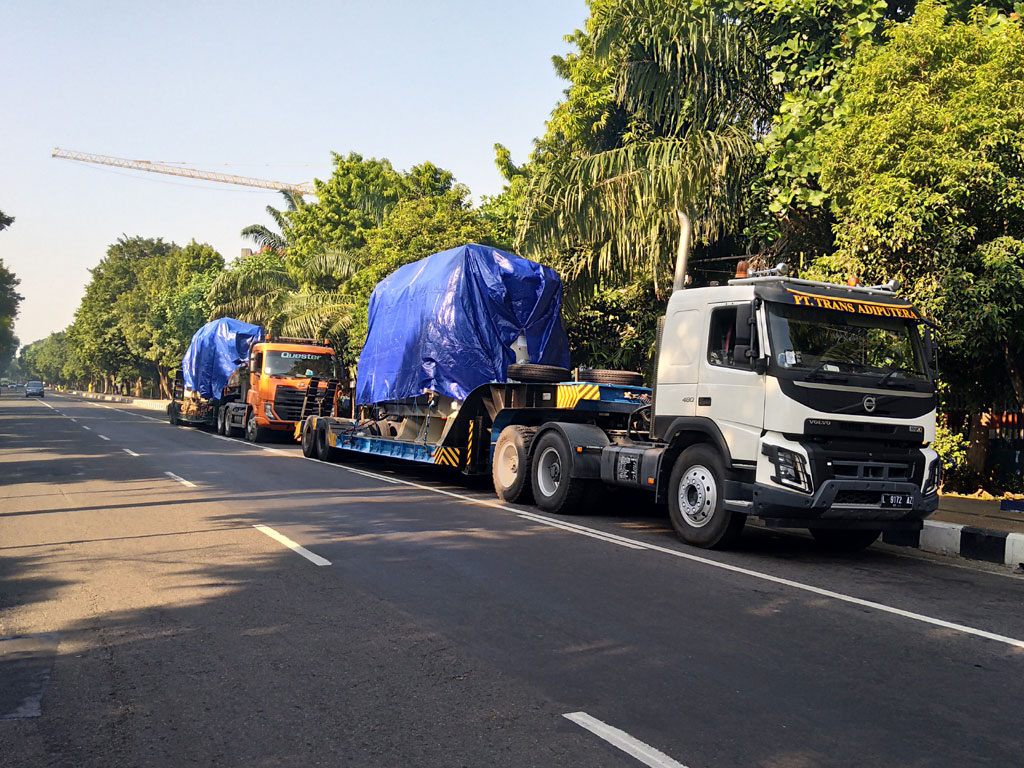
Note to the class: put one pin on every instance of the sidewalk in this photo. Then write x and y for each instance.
(992, 531)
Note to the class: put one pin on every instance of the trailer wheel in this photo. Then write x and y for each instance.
(324, 451)
(254, 433)
(308, 439)
(554, 487)
(541, 374)
(696, 500)
(606, 376)
(510, 468)
(847, 542)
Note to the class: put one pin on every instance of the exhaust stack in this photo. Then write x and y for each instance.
(683, 256)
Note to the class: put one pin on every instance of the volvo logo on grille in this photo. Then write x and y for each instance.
(869, 403)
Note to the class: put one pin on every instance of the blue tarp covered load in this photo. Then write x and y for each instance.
(217, 349)
(447, 324)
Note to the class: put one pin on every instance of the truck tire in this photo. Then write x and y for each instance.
(219, 418)
(540, 374)
(510, 468)
(554, 488)
(696, 500)
(172, 414)
(324, 451)
(606, 376)
(308, 439)
(847, 542)
(229, 430)
(254, 433)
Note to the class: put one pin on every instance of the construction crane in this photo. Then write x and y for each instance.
(191, 173)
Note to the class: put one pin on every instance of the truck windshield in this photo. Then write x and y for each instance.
(300, 365)
(831, 344)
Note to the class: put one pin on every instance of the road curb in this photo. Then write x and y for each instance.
(969, 542)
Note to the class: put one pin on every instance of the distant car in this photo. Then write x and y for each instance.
(34, 389)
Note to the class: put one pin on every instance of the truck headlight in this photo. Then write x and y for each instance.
(932, 477)
(268, 411)
(791, 469)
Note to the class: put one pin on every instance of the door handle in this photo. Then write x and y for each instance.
(703, 401)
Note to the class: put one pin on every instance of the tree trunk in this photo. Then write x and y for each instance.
(165, 388)
(977, 442)
(138, 387)
(1013, 369)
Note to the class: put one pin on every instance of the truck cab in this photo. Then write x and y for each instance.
(279, 374)
(813, 405)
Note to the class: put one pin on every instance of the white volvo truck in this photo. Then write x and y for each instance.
(805, 404)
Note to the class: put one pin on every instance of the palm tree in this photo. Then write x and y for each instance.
(266, 238)
(297, 299)
(697, 91)
(5, 221)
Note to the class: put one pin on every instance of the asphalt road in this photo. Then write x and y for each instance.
(153, 617)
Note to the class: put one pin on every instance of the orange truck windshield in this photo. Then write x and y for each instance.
(300, 365)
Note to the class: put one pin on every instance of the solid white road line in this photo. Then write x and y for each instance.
(102, 437)
(181, 480)
(313, 558)
(645, 753)
(130, 453)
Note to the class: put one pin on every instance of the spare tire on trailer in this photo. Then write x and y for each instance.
(539, 374)
(607, 376)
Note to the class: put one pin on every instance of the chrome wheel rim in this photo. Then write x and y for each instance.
(549, 471)
(698, 496)
(507, 465)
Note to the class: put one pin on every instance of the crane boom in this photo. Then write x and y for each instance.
(192, 173)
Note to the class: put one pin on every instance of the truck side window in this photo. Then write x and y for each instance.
(257, 363)
(725, 337)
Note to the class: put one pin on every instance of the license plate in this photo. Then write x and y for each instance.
(897, 500)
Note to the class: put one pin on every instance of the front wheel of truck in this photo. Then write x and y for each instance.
(696, 500)
(845, 542)
(254, 433)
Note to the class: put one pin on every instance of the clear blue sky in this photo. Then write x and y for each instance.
(272, 88)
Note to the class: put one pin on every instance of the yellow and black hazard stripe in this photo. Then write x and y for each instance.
(568, 395)
(469, 442)
(448, 457)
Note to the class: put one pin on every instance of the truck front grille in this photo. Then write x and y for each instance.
(873, 470)
(288, 403)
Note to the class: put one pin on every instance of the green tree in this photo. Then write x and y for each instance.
(9, 301)
(673, 95)
(926, 178)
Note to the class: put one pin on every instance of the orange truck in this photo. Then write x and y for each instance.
(245, 383)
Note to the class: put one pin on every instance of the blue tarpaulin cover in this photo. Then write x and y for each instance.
(217, 349)
(447, 324)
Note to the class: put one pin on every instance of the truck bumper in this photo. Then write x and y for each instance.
(843, 504)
